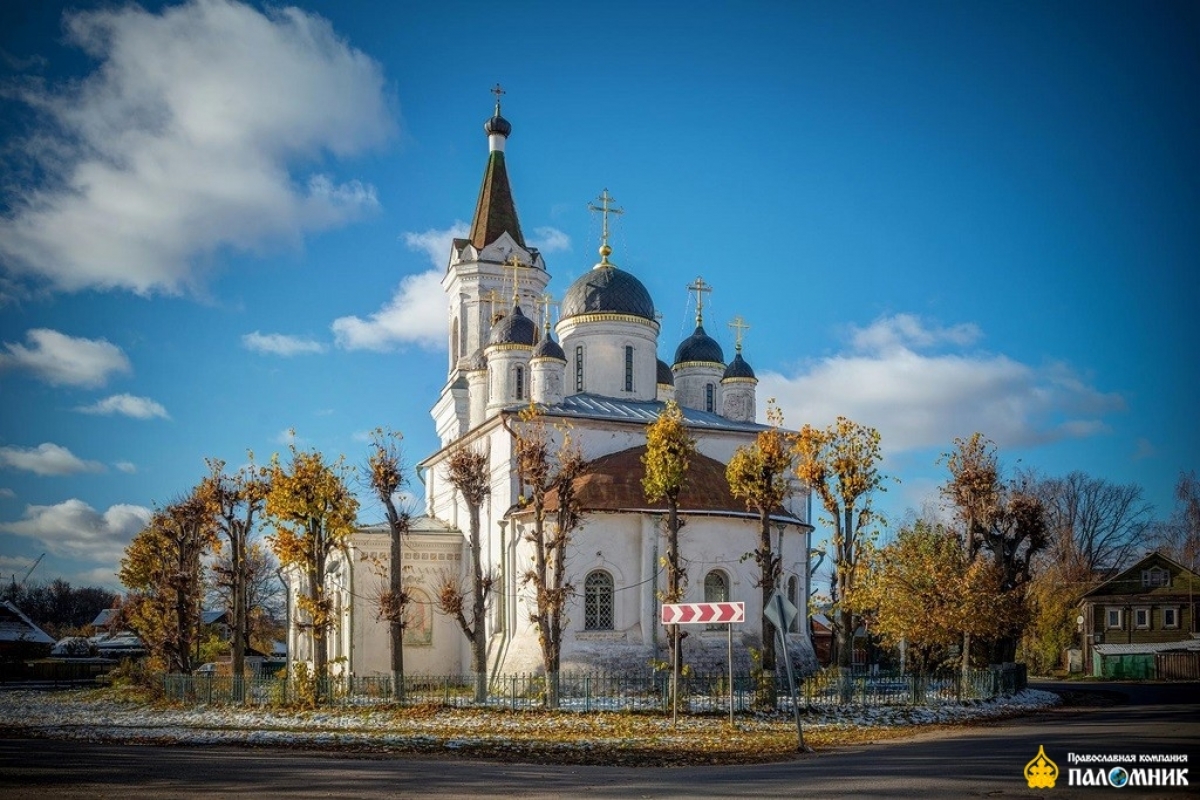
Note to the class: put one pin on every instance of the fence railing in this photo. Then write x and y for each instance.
(600, 691)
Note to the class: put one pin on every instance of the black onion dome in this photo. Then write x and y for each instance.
(514, 328)
(699, 347)
(548, 348)
(610, 290)
(738, 368)
(498, 124)
(664, 373)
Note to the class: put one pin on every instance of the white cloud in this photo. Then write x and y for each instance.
(128, 405)
(46, 459)
(60, 360)
(187, 140)
(416, 314)
(280, 344)
(436, 243)
(6, 493)
(550, 240)
(925, 400)
(126, 466)
(74, 529)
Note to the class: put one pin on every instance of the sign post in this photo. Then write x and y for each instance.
(676, 614)
(782, 614)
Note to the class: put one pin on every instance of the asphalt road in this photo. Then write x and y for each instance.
(982, 761)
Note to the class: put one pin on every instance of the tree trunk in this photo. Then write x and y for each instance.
(768, 567)
(396, 587)
(674, 591)
(237, 557)
(479, 613)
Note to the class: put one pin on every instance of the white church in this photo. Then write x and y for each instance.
(599, 371)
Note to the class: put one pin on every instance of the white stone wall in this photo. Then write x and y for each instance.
(604, 341)
(690, 382)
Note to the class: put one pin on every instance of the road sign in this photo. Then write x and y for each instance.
(694, 613)
(781, 612)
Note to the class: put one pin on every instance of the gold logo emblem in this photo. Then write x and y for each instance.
(1041, 772)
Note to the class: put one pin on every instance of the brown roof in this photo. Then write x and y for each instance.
(614, 483)
(495, 212)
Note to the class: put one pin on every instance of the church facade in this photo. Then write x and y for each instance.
(597, 373)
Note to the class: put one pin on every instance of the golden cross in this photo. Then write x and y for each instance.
(547, 300)
(497, 90)
(739, 328)
(516, 265)
(492, 297)
(700, 288)
(605, 208)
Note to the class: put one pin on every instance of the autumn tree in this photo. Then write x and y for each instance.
(385, 467)
(313, 511)
(265, 603)
(922, 589)
(669, 450)
(841, 464)
(545, 470)
(468, 472)
(235, 502)
(760, 474)
(1179, 536)
(163, 569)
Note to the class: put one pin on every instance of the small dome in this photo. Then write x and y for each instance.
(699, 347)
(664, 373)
(515, 328)
(477, 361)
(498, 124)
(548, 348)
(607, 289)
(738, 368)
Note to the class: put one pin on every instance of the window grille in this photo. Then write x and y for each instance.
(579, 368)
(520, 383)
(598, 601)
(628, 368)
(709, 404)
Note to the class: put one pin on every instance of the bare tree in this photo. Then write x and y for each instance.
(1094, 525)
(547, 471)
(1179, 536)
(468, 472)
(385, 467)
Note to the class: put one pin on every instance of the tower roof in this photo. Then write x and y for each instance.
(738, 368)
(699, 347)
(548, 348)
(495, 211)
(665, 376)
(515, 328)
(607, 289)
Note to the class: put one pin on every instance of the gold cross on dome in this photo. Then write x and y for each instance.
(515, 265)
(498, 90)
(605, 208)
(546, 301)
(739, 328)
(492, 297)
(700, 288)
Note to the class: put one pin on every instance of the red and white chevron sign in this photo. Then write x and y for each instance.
(691, 613)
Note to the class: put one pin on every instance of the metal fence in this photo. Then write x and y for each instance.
(599, 691)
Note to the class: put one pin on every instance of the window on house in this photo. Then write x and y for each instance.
(1156, 576)
(520, 383)
(1141, 617)
(709, 397)
(716, 590)
(628, 368)
(1170, 617)
(598, 601)
(1113, 618)
(579, 368)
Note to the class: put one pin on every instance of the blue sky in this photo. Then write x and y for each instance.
(221, 221)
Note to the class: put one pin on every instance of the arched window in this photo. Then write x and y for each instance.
(598, 601)
(579, 368)
(716, 590)
(520, 383)
(628, 368)
(454, 344)
(710, 402)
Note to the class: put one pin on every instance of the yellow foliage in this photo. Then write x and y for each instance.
(669, 449)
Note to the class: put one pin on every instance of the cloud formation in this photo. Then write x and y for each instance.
(74, 529)
(46, 459)
(415, 314)
(128, 405)
(920, 400)
(62, 360)
(280, 344)
(550, 240)
(186, 140)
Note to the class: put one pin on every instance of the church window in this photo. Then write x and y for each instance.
(716, 590)
(520, 382)
(709, 398)
(579, 368)
(628, 368)
(598, 601)
(793, 585)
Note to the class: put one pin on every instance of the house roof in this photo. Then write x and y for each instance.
(614, 483)
(16, 627)
(1138, 648)
(1129, 581)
